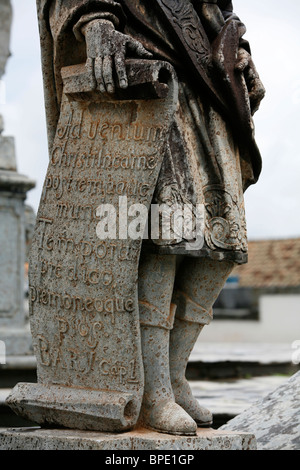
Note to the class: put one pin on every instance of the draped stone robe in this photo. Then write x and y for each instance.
(204, 162)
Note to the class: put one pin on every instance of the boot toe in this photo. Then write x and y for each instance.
(202, 416)
(184, 398)
(168, 417)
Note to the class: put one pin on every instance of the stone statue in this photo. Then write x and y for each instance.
(5, 25)
(14, 326)
(153, 101)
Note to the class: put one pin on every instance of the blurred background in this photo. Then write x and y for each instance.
(254, 342)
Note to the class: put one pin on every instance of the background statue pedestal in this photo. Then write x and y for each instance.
(14, 328)
(16, 354)
(141, 439)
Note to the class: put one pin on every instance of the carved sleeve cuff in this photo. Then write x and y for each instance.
(77, 29)
(99, 9)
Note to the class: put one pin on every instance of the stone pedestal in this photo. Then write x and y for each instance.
(140, 439)
(14, 331)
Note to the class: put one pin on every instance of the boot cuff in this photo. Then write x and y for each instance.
(151, 316)
(189, 310)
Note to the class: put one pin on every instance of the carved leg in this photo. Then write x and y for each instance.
(198, 284)
(159, 410)
(183, 337)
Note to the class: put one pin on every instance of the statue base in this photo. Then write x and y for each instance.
(139, 439)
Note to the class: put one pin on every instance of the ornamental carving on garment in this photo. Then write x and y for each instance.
(188, 21)
(225, 226)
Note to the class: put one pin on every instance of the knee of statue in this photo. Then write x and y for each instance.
(187, 309)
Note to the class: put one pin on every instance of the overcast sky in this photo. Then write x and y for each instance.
(273, 31)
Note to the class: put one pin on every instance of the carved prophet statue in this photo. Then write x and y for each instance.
(148, 103)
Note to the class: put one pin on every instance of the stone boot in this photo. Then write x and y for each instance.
(183, 338)
(159, 410)
(197, 286)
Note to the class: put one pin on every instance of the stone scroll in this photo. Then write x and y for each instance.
(106, 158)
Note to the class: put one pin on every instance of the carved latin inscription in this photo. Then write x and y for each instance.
(83, 296)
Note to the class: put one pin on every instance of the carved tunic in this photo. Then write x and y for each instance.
(203, 164)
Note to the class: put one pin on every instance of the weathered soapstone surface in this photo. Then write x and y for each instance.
(83, 294)
(83, 289)
(141, 439)
(275, 419)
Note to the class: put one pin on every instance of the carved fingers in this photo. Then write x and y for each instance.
(255, 87)
(121, 70)
(137, 48)
(110, 70)
(256, 94)
(243, 60)
(107, 50)
(107, 73)
(98, 66)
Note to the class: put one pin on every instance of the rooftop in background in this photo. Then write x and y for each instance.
(272, 263)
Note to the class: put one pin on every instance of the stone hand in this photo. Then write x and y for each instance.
(107, 50)
(255, 87)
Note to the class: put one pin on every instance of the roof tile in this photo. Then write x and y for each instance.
(272, 263)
